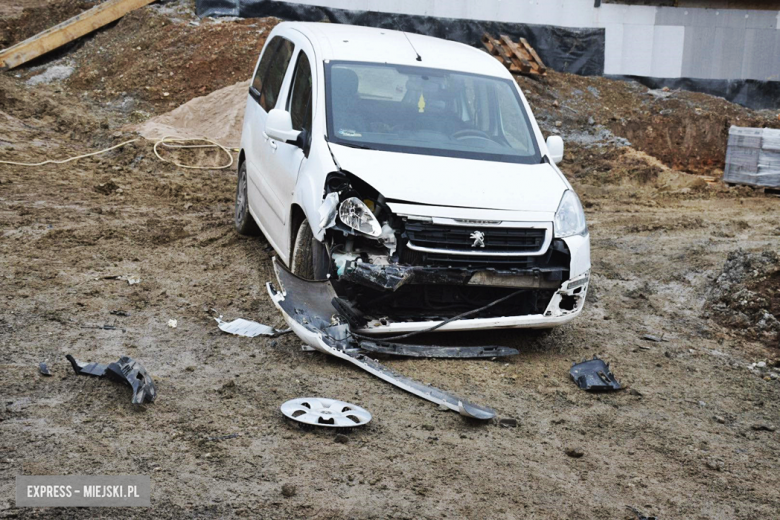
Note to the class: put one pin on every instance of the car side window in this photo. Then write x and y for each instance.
(299, 100)
(265, 62)
(272, 82)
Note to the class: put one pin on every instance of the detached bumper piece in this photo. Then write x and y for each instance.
(308, 308)
(126, 370)
(594, 376)
(394, 349)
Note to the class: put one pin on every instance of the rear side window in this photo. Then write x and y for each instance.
(272, 83)
(270, 72)
(300, 95)
(262, 69)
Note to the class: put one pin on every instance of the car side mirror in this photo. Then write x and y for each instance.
(278, 126)
(555, 147)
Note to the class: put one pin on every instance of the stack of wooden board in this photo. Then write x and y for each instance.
(519, 58)
(753, 157)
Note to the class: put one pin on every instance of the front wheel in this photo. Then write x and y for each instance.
(309, 256)
(245, 224)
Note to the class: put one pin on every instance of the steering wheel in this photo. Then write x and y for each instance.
(471, 132)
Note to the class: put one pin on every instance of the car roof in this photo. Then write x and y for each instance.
(369, 44)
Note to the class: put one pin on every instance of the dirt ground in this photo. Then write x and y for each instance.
(693, 437)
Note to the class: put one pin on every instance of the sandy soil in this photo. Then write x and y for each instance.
(218, 116)
(691, 438)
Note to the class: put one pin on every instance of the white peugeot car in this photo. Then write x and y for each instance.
(409, 174)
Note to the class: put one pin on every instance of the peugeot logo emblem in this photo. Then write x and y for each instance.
(479, 239)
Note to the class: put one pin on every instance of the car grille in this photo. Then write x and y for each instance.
(459, 238)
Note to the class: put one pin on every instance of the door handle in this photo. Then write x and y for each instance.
(270, 141)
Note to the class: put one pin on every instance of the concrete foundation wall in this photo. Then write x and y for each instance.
(661, 42)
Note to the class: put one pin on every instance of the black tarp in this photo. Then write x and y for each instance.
(751, 93)
(579, 51)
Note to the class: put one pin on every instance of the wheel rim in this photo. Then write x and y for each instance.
(241, 198)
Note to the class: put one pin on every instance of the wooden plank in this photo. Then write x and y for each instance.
(488, 45)
(534, 55)
(517, 56)
(67, 31)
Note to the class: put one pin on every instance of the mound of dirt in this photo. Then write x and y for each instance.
(627, 169)
(37, 18)
(218, 116)
(166, 63)
(746, 295)
(686, 131)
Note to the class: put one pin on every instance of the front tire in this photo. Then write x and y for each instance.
(309, 257)
(245, 224)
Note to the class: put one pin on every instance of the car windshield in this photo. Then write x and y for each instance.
(427, 111)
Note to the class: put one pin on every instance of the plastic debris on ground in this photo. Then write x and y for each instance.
(308, 308)
(127, 370)
(640, 515)
(173, 324)
(594, 376)
(131, 280)
(248, 329)
(430, 351)
(43, 369)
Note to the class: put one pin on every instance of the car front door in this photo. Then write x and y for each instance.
(282, 161)
(264, 92)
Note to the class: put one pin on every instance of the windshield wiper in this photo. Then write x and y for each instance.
(355, 145)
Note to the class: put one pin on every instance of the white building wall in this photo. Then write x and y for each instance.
(662, 42)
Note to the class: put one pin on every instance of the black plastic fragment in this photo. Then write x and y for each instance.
(654, 338)
(354, 317)
(43, 369)
(87, 369)
(594, 376)
(127, 370)
(432, 351)
(640, 515)
(380, 277)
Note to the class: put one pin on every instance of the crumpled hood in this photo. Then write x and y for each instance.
(446, 181)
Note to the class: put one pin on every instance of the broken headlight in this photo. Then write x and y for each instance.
(570, 217)
(354, 213)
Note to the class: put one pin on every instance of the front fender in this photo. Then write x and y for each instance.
(579, 247)
(310, 186)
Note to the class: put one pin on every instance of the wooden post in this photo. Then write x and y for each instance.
(67, 31)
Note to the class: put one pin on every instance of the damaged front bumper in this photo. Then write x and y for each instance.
(565, 305)
(393, 276)
(307, 307)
